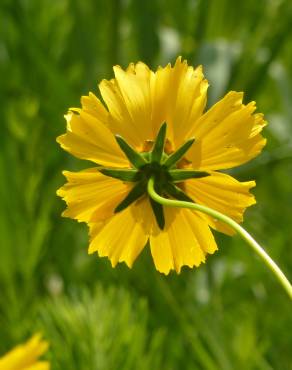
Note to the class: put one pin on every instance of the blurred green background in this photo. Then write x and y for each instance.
(228, 314)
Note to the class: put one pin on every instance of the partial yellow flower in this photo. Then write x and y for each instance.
(26, 356)
(155, 124)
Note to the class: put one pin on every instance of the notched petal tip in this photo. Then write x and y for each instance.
(60, 192)
(160, 69)
(60, 139)
(211, 250)
(66, 173)
(91, 249)
(235, 96)
(204, 85)
(250, 184)
(178, 269)
(118, 67)
(74, 110)
(65, 214)
(163, 271)
(107, 84)
(114, 262)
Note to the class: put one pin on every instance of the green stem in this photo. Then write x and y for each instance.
(234, 225)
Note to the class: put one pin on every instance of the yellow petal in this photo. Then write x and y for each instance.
(92, 105)
(139, 101)
(186, 96)
(184, 241)
(227, 135)
(91, 196)
(41, 365)
(25, 356)
(128, 100)
(178, 98)
(222, 193)
(88, 138)
(201, 231)
(123, 237)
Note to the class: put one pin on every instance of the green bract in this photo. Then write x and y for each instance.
(157, 164)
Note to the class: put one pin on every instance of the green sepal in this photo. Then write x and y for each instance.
(178, 154)
(138, 190)
(181, 175)
(158, 213)
(130, 175)
(133, 156)
(176, 192)
(158, 147)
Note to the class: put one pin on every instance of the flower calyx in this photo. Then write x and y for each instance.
(154, 164)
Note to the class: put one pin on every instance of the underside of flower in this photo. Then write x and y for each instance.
(152, 127)
(157, 164)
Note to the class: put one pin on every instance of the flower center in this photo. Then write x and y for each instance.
(158, 163)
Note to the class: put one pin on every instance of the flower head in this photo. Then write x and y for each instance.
(155, 125)
(26, 356)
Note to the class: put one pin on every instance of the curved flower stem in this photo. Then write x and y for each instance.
(234, 225)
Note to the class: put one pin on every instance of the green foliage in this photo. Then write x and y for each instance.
(228, 314)
(100, 330)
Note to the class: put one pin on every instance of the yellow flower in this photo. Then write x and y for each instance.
(155, 125)
(25, 356)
